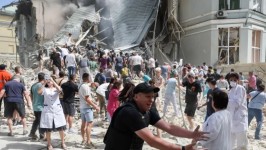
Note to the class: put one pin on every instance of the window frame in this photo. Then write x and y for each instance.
(254, 48)
(228, 4)
(228, 47)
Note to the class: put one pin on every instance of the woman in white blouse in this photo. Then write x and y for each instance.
(52, 118)
(218, 125)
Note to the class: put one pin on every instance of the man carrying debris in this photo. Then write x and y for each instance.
(15, 92)
(4, 77)
(37, 101)
(129, 126)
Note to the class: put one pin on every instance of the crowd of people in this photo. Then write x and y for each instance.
(102, 81)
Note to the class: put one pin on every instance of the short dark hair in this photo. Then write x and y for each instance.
(220, 99)
(85, 76)
(234, 75)
(41, 76)
(117, 84)
(261, 87)
(61, 74)
(211, 81)
(72, 77)
(112, 80)
(17, 68)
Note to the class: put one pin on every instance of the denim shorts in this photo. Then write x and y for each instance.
(86, 114)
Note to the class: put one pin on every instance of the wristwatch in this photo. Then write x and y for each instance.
(183, 148)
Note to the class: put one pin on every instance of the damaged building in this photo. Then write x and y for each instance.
(223, 31)
(216, 31)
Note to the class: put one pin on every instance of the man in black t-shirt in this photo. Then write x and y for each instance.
(55, 61)
(211, 82)
(69, 90)
(129, 125)
(193, 88)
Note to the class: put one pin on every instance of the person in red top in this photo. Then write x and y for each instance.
(4, 77)
(113, 102)
(251, 82)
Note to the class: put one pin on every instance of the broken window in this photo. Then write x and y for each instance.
(256, 5)
(228, 52)
(256, 34)
(229, 4)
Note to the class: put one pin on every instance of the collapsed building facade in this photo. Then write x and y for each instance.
(216, 31)
(150, 26)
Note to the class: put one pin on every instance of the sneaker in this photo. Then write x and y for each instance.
(25, 132)
(19, 122)
(15, 122)
(83, 143)
(42, 136)
(33, 136)
(10, 134)
(89, 146)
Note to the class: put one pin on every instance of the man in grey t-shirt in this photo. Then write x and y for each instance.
(86, 106)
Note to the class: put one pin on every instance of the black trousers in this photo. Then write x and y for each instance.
(36, 124)
(1, 104)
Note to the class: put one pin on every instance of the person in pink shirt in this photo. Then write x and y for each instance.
(113, 102)
(251, 82)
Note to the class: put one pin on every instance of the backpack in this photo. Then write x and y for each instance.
(98, 78)
(124, 72)
(173, 73)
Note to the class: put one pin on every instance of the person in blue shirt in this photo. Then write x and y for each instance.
(37, 103)
(100, 77)
(255, 106)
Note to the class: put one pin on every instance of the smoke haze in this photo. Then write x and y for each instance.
(56, 13)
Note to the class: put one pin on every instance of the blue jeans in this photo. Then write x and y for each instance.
(71, 70)
(257, 113)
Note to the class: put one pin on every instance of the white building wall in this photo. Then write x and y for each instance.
(263, 47)
(245, 45)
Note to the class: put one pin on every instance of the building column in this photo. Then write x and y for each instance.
(263, 47)
(245, 47)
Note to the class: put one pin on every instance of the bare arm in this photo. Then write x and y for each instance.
(181, 132)
(174, 130)
(89, 102)
(27, 96)
(2, 92)
(156, 142)
(58, 88)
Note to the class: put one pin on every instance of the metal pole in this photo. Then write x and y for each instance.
(153, 40)
(16, 48)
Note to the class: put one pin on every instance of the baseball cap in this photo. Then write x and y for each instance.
(145, 88)
(2, 66)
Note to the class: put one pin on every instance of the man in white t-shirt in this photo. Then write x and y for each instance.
(71, 63)
(69, 40)
(100, 92)
(64, 53)
(151, 66)
(137, 62)
(86, 112)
